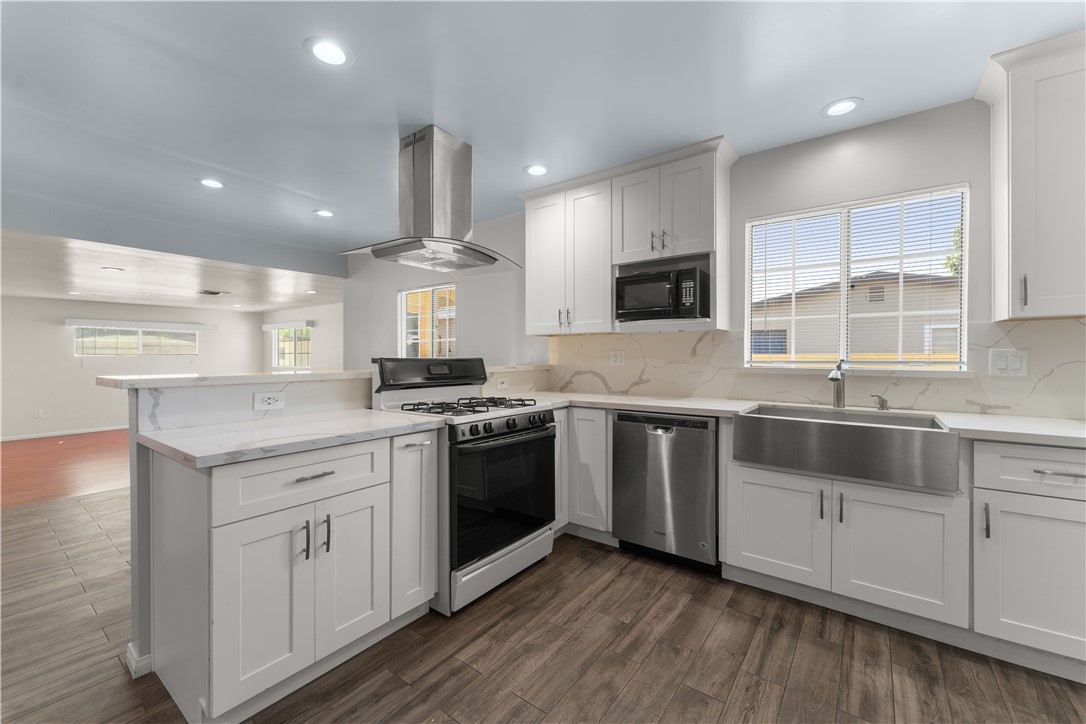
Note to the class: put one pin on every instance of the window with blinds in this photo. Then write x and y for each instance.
(428, 322)
(879, 284)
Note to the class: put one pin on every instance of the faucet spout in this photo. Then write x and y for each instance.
(837, 377)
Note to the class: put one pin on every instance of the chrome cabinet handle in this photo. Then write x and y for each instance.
(417, 444)
(652, 240)
(821, 506)
(663, 238)
(842, 513)
(1025, 290)
(307, 537)
(305, 478)
(328, 540)
(569, 318)
(987, 522)
(1057, 472)
(559, 317)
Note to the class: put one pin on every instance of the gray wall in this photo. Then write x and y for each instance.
(938, 147)
(489, 306)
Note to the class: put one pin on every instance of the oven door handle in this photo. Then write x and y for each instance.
(466, 448)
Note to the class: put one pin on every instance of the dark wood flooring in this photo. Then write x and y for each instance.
(591, 634)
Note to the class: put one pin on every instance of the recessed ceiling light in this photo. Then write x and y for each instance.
(323, 212)
(328, 51)
(310, 291)
(75, 294)
(211, 183)
(843, 106)
(112, 268)
(236, 305)
(535, 169)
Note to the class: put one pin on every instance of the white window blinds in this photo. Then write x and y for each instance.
(878, 284)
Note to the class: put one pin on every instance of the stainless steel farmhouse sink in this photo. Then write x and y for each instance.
(885, 447)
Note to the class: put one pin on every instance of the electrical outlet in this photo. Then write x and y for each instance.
(618, 358)
(1008, 362)
(268, 401)
(38, 414)
(502, 383)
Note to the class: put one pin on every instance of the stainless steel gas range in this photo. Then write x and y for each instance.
(496, 477)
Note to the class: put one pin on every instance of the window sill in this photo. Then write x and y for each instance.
(894, 372)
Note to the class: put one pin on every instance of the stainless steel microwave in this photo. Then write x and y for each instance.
(675, 294)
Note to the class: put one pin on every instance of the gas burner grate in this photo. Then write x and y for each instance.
(498, 402)
(461, 407)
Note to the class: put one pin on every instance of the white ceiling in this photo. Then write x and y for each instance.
(45, 267)
(112, 110)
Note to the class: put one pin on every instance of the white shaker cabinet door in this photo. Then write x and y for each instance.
(1047, 186)
(414, 521)
(262, 604)
(589, 305)
(687, 205)
(588, 504)
(545, 265)
(779, 524)
(903, 550)
(352, 577)
(635, 216)
(1029, 570)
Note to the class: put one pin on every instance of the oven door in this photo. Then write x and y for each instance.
(504, 491)
(645, 296)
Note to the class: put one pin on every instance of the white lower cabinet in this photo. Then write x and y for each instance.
(779, 524)
(903, 550)
(588, 456)
(561, 469)
(414, 521)
(291, 587)
(1029, 570)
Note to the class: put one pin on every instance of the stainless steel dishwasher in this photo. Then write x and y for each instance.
(664, 484)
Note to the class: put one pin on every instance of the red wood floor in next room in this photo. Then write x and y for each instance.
(51, 468)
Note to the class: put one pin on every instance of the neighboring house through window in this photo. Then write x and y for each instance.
(876, 283)
(427, 322)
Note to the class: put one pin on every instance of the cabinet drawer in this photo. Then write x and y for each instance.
(1053, 471)
(256, 487)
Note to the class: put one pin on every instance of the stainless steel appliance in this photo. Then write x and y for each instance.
(664, 489)
(673, 294)
(496, 478)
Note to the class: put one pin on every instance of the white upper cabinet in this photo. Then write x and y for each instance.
(664, 211)
(568, 262)
(1038, 98)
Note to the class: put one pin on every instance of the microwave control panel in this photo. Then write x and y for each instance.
(687, 294)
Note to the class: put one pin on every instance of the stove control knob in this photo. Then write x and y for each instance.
(511, 423)
(473, 430)
(531, 419)
(488, 427)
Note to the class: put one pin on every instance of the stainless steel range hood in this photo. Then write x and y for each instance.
(435, 206)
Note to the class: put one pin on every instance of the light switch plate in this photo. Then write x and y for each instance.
(618, 358)
(1008, 362)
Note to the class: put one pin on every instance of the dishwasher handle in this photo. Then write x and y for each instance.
(660, 429)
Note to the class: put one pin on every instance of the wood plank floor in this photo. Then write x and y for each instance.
(55, 468)
(591, 634)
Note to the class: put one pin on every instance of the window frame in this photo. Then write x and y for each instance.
(275, 349)
(401, 320)
(843, 208)
(139, 341)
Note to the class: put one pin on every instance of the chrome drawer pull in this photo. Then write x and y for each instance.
(417, 444)
(1057, 472)
(305, 478)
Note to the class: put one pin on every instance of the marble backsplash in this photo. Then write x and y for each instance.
(710, 364)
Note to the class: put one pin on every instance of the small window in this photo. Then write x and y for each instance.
(292, 347)
(428, 322)
(122, 342)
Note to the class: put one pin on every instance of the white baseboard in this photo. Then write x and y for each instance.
(137, 665)
(596, 536)
(62, 433)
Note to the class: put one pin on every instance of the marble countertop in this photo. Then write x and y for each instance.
(1000, 428)
(210, 445)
